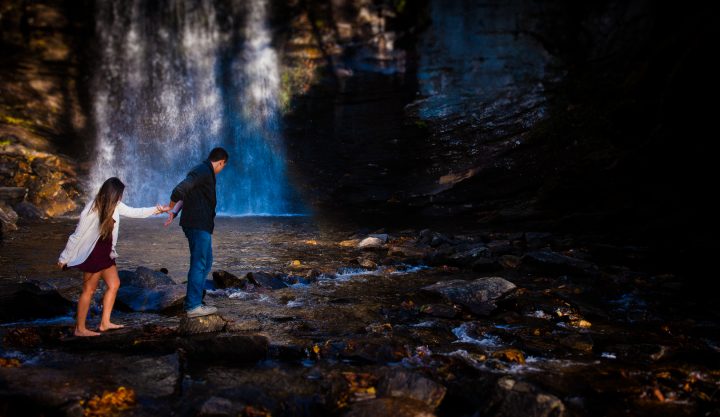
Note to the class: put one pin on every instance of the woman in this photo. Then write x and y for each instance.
(91, 249)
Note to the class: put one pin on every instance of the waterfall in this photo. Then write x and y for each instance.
(177, 78)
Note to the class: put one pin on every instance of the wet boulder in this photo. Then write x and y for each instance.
(163, 298)
(514, 398)
(267, 280)
(224, 279)
(31, 300)
(144, 277)
(408, 384)
(479, 295)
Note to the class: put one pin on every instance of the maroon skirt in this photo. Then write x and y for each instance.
(99, 258)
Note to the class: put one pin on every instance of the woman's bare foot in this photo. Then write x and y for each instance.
(110, 326)
(85, 332)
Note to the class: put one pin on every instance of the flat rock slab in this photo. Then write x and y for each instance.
(68, 378)
(389, 407)
(479, 295)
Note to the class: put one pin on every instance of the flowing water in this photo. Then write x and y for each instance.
(177, 78)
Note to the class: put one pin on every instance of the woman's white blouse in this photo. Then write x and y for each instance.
(81, 243)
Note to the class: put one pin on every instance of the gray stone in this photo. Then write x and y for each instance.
(203, 324)
(145, 278)
(370, 243)
(382, 236)
(479, 295)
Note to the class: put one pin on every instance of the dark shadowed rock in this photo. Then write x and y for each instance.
(510, 261)
(220, 407)
(555, 262)
(204, 324)
(389, 407)
(407, 384)
(536, 240)
(513, 398)
(144, 278)
(39, 386)
(482, 264)
(31, 300)
(267, 280)
(12, 195)
(440, 310)
(28, 210)
(8, 218)
(478, 295)
(224, 279)
(159, 298)
(226, 347)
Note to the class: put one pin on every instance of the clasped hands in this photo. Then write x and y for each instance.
(166, 209)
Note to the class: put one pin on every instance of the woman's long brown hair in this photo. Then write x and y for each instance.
(105, 202)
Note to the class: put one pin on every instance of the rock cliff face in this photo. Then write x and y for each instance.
(553, 114)
(42, 116)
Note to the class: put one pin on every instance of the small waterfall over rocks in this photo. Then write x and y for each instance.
(177, 78)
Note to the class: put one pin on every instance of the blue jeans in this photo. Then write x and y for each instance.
(200, 265)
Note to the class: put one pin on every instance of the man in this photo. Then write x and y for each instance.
(197, 200)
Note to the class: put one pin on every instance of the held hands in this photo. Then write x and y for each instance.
(61, 265)
(171, 217)
(161, 209)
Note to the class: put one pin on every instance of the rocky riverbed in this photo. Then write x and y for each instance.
(319, 319)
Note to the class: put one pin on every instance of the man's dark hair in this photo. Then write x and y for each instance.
(218, 154)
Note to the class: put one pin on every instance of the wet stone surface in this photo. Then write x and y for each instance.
(307, 325)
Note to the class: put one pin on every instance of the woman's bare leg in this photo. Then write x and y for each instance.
(90, 283)
(110, 275)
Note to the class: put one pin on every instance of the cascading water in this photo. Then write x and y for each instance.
(177, 78)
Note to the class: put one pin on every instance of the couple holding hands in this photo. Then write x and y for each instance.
(91, 248)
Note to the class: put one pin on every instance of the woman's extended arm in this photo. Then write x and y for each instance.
(139, 212)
